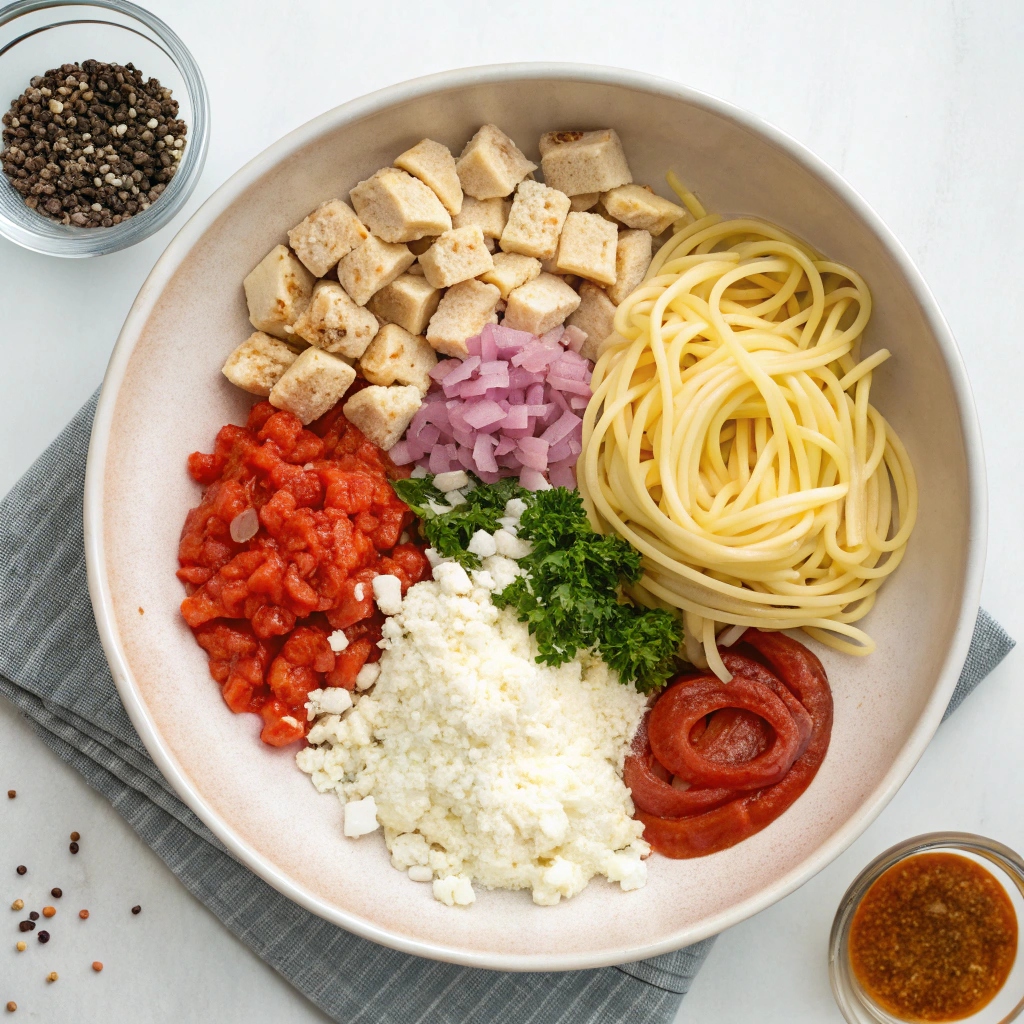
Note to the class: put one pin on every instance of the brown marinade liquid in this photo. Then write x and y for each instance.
(934, 938)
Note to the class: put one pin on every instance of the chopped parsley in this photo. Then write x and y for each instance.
(450, 529)
(570, 596)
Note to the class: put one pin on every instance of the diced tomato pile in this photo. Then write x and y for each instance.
(329, 522)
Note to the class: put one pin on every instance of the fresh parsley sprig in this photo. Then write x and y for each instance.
(570, 595)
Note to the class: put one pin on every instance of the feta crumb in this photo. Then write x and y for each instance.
(359, 591)
(515, 507)
(451, 481)
(455, 498)
(453, 578)
(334, 700)
(482, 544)
(367, 676)
(509, 525)
(418, 473)
(510, 546)
(387, 592)
(455, 890)
(503, 571)
(434, 558)
(337, 640)
(483, 579)
(360, 817)
(421, 873)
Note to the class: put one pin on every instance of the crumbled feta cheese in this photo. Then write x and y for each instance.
(334, 700)
(514, 508)
(451, 481)
(503, 571)
(360, 817)
(453, 578)
(511, 547)
(337, 640)
(484, 764)
(387, 592)
(455, 890)
(418, 472)
(509, 525)
(455, 498)
(367, 676)
(421, 873)
(434, 558)
(359, 591)
(482, 544)
(482, 578)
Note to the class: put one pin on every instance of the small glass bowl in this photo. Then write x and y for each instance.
(36, 35)
(1004, 864)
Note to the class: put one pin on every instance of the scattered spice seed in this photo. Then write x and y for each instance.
(11, 794)
(52, 976)
(83, 914)
(44, 936)
(26, 926)
(73, 847)
(18, 905)
(33, 915)
(12, 1006)
(75, 836)
(97, 966)
(21, 947)
(103, 152)
(136, 909)
(56, 893)
(21, 869)
(49, 911)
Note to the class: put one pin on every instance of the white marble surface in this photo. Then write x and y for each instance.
(916, 103)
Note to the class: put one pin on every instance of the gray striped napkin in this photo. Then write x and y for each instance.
(52, 667)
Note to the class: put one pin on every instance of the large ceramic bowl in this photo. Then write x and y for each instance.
(164, 397)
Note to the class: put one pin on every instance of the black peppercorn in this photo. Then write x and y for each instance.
(75, 159)
(73, 847)
(21, 869)
(56, 893)
(33, 915)
(44, 936)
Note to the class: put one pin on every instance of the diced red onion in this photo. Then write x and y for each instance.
(533, 453)
(443, 368)
(400, 455)
(574, 338)
(483, 454)
(244, 526)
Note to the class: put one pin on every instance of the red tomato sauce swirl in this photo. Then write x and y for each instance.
(682, 828)
(329, 521)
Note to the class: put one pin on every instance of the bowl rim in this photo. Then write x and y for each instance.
(361, 107)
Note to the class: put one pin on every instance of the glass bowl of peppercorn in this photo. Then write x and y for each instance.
(105, 125)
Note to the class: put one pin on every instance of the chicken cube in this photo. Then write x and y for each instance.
(258, 363)
(577, 162)
(434, 165)
(383, 414)
(334, 323)
(595, 316)
(491, 165)
(277, 290)
(632, 258)
(511, 269)
(489, 215)
(371, 266)
(312, 385)
(540, 304)
(587, 247)
(331, 231)
(397, 207)
(637, 206)
(535, 220)
(409, 301)
(461, 314)
(456, 256)
(397, 357)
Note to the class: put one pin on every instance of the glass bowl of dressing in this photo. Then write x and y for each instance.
(928, 932)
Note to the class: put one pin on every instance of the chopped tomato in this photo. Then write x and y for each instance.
(329, 521)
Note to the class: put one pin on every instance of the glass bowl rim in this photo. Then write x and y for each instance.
(84, 242)
(998, 854)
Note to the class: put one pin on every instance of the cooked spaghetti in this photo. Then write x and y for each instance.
(731, 439)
